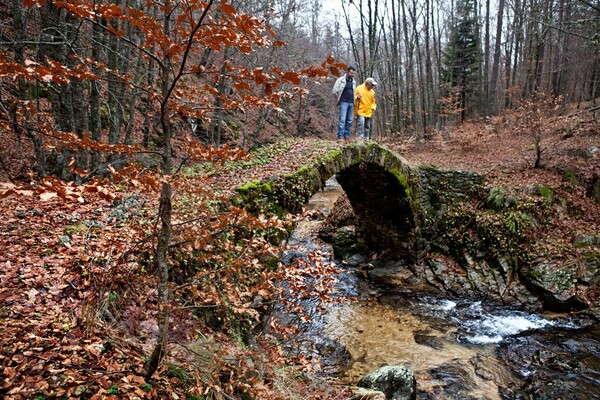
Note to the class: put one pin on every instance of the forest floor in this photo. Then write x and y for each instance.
(60, 337)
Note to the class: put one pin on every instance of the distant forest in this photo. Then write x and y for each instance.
(445, 61)
(246, 71)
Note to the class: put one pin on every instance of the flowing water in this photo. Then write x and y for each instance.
(458, 348)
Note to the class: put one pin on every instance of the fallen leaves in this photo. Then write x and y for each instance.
(77, 304)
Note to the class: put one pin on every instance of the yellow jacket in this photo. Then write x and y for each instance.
(366, 104)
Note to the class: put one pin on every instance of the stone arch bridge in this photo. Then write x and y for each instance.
(392, 199)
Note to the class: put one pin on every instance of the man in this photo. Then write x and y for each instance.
(343, 89)
(365, 105)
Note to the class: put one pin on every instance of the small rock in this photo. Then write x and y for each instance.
(367, 394)
(396, 382)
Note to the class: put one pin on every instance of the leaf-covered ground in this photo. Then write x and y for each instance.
(78, 300)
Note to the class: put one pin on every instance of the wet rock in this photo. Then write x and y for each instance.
(555, 365)
(393, 273)
(326, 233)
(446, 274)
(457, 378)
(557, 285)
(586, 240)
(492, 279)
(367, 394)
(344, 242)
(396, 382)
(489, 368)
(342, 213)
(356, 259)
(332, 355)
(428, 340)
(594, 190)
(292, 255)
(591, 271)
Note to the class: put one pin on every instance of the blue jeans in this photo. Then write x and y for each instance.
(363, 127)
(345, 122)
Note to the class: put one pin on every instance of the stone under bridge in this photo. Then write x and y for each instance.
(392, 199)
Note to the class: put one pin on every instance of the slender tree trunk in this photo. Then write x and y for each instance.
(478, 96)
(162, 249)
(165, 123)
(496, 62)
(115, 99)
(314, 22)
(395, 72)
(532, 36)
(95, 100)
(223, 86)
(486, 61)
(134, 95)
(437, 63)
(374, 33)
(148, 126)
(516, 45)
(19, 48)
(349, 27)
(422, 93)
(162, 263)
(364, 60)
(410, 75)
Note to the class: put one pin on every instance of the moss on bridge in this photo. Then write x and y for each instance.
(289, 193)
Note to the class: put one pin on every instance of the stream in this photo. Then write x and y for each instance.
(457, 348)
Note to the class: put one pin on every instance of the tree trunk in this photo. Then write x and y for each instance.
(395, 73)
(115, 98)
(486, 60)
(410, 75)
(353, 45)
(162, 263)
(496, 62)
(95, 99)
(165, 123)
(38, 144)
(422, 84)
(429, 90)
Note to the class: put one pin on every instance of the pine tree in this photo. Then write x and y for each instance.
(462, 59)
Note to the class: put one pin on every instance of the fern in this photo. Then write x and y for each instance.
(497, 198)
(517, 220)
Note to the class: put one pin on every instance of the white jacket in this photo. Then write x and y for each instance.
(338, 87)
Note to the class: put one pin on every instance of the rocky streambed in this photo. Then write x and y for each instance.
(456, 346)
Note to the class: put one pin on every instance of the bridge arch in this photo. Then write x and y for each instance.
(382, 188)
(390, 197)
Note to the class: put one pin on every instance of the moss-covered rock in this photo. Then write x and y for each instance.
(344, 243)
(557, 286)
